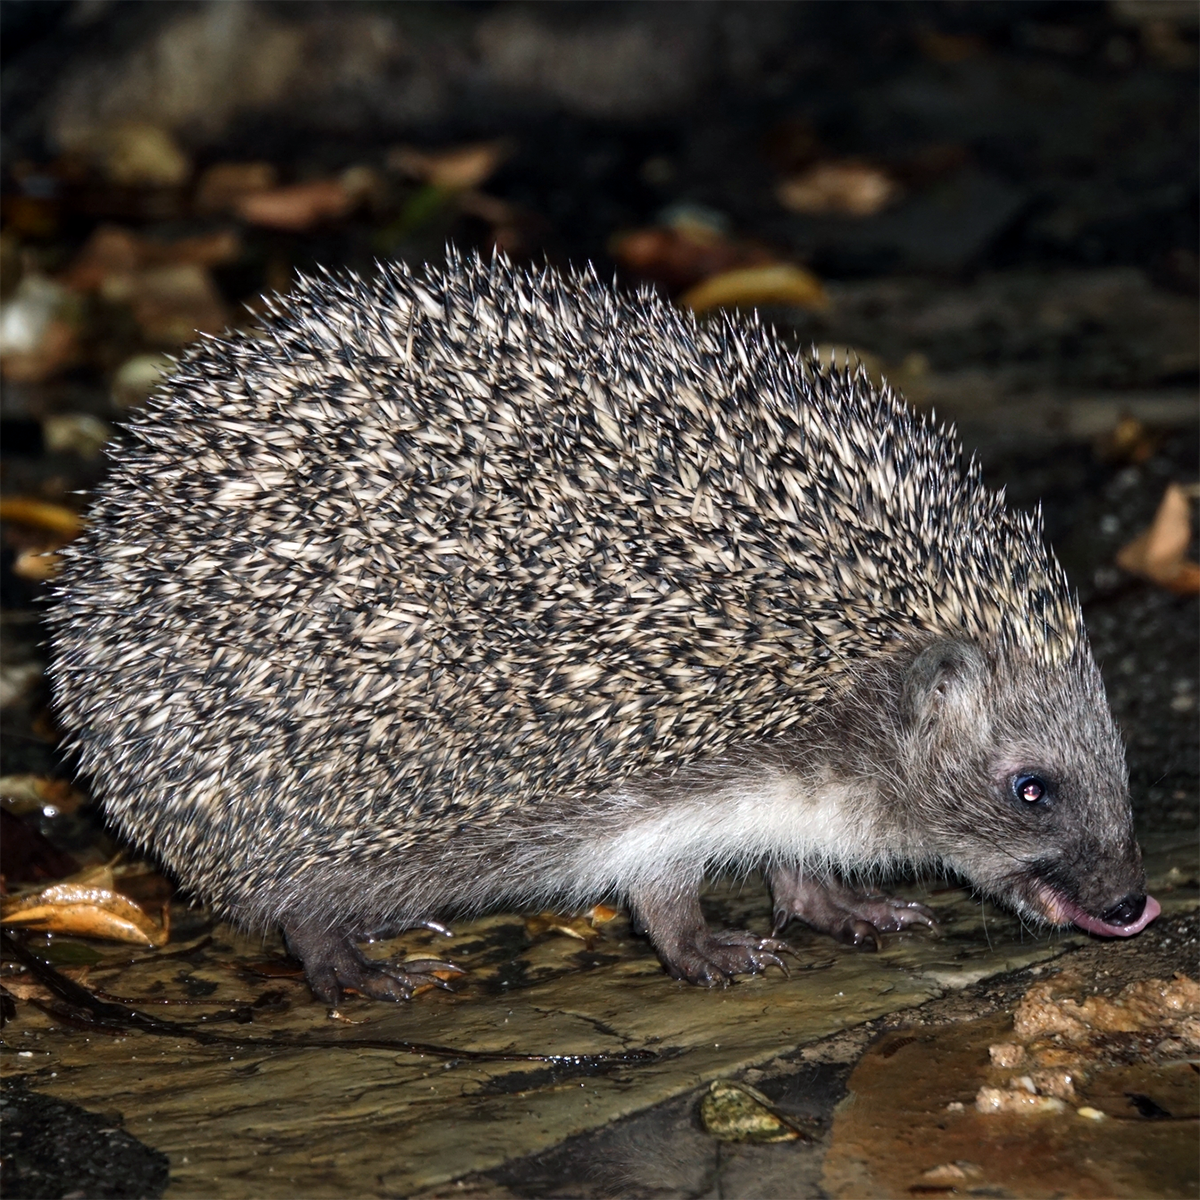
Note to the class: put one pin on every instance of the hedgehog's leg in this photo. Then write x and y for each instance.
(332, 962)
(670, 916)
(856, 918)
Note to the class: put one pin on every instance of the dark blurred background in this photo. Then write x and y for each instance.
(994, 205)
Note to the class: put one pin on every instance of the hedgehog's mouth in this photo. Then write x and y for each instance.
(1059, 909)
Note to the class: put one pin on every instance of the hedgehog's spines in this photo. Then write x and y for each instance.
(429, 534)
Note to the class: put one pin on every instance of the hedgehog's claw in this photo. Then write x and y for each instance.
(397, 981)
(713, 959)
(333, 964)
(689, 950)
(855, 918)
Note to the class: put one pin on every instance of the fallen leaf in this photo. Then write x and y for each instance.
(488, 208)
(37, 565)
(1158, 554)
(549, 922)
(115, 250)
(86, 906)
(54, 518)
(38, 330)
(682, 254)
(223, 185)
(459, 168)
(601, 914)
(167, 284)
(848, 188)
(778, 283)
(140, 154)
(297, 207)
(734, 1112)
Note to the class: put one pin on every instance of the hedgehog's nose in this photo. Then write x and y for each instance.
(1125, 911)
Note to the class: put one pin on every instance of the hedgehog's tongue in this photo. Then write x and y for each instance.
(1073, 913)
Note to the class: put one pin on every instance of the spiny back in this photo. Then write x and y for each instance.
(429, 547)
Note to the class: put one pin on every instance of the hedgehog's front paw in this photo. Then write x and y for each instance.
(713, 959)
(333, 963)
(856, 918)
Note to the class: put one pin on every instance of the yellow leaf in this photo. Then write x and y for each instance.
(747, 287)
(41, 514)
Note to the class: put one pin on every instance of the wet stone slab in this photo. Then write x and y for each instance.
(255, 1116)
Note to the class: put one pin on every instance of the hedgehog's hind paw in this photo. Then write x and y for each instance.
(333, 964)
(855, 918)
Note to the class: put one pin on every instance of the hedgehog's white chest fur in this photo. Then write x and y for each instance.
(751, 820)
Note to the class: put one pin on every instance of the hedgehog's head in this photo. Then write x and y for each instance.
(1016, 774)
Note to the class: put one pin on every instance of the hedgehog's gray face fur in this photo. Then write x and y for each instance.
(1015, 773)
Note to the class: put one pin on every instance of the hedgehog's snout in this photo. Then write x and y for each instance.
(1126, 910)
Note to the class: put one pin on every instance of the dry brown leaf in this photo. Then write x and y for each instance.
(113, 250)
(1158, 554)
(224, 184)
(777, 283)
(459, 168)
(166, 284)
(849, 188)
(298, 207)
(488, 208)
(86, 906)
(25, 987)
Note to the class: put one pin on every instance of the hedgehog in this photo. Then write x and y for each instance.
(477, 586)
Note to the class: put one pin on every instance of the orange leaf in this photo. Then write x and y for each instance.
(86, 906)
(1158, 554)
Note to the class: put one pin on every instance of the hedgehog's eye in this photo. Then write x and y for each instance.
(1032, 789)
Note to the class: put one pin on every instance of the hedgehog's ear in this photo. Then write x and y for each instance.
(947, 678)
